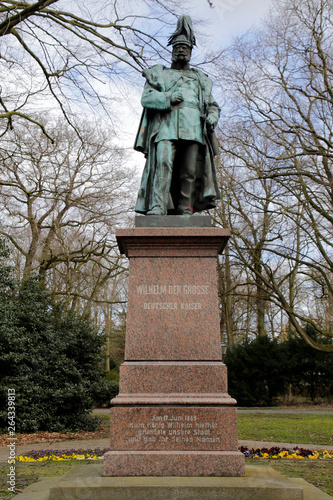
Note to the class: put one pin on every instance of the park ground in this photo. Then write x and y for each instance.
(258, 428)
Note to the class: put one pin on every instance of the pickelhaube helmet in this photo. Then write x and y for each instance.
(184, 33)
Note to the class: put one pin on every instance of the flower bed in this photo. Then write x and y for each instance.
(97, 454)
(295, 453)
(58, 455)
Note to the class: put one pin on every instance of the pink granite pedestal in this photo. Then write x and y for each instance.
(173, 415)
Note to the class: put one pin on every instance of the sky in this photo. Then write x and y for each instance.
(236, 16)
(230, 18)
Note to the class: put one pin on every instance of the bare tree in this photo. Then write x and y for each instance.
(76, 55)
(279, 119)
(247, 209)
(61, 202)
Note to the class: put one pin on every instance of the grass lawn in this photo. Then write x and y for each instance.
(286, 428)
(317, 472)
(30, 473)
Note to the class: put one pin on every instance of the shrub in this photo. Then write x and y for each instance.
(106, 391)
(256, 372)
(49, 356)
(310, 371)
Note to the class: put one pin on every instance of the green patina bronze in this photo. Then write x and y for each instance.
(176, 134)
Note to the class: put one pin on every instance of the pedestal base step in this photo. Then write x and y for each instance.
(174, 463)
(140, 399)
(86, 482)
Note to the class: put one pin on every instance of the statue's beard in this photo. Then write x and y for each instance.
(180, 58)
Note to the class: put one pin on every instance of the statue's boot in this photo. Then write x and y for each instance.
(186, 195)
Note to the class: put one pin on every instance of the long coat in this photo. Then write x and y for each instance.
(160, 83)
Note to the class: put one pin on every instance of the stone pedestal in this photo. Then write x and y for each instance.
(173, 414)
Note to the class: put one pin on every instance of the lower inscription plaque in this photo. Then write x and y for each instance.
(197, 428)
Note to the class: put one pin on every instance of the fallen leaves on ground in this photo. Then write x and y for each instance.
(103, 431)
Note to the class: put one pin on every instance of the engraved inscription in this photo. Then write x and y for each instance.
(190, 305)
(173, 429)
(158, 306)
(176, 290)
(172, 289)
(151, 290)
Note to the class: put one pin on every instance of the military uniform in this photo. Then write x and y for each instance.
(183, 120)
(163, 127)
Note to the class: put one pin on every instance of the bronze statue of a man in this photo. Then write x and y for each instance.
(176, 134)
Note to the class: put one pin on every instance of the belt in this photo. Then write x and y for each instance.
(185, 104)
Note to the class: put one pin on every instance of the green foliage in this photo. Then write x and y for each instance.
(49, 356)
(256, 372)
(107, 390)
(310, 371)
(260, 370)
(5, 271)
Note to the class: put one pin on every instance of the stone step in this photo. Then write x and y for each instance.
(86, 483)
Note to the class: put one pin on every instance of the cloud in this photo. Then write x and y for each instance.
(230, 18)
